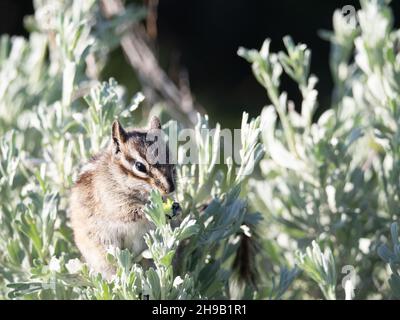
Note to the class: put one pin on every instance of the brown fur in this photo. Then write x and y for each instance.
(107, 200)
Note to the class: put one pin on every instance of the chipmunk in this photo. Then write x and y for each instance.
(108, 198)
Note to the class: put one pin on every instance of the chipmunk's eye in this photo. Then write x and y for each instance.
(140, 167)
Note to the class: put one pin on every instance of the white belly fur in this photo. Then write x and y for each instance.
(126, 235)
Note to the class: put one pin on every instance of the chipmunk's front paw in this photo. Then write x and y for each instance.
(176, 209)
(173, 207)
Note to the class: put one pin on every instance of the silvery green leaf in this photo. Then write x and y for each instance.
(154, 210)
(154, 284)
(187, 229)
(320, 266)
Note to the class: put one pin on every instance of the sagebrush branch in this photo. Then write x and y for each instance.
(152, 76)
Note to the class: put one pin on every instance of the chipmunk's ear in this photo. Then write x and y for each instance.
(119, 135)
(154, 123)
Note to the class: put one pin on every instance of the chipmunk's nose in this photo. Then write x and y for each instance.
(167, 191)
(171, 186)
(171, 189)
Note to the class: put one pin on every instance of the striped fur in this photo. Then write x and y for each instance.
(108, 197)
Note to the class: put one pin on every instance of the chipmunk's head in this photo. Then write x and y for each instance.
(141, 159)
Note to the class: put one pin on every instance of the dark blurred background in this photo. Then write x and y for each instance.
(203, 36)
